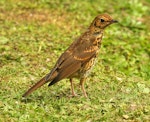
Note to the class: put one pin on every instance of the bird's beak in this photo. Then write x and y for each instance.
(114, 21)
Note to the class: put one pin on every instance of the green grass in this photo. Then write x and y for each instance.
(34, 34)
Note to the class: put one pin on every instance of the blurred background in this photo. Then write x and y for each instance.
(33, 34)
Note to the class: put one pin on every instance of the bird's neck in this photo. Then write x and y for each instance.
(95, 31)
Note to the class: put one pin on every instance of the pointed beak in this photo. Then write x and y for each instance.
(114, 21)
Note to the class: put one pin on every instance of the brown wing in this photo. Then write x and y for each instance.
(80, 52)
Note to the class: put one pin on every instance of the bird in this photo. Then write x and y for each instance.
(79, 58)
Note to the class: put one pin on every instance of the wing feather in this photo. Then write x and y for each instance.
(80, 52)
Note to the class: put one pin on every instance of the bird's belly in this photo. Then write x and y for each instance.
(85, 70)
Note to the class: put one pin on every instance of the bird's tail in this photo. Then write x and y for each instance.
(34, 87)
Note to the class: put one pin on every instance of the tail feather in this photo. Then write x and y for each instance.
(44, 80)
(37, 85)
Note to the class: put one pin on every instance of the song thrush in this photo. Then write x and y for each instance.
(78, 60)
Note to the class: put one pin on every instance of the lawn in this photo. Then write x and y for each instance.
(34, 33)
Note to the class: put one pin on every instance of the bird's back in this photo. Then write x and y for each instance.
(79, 58)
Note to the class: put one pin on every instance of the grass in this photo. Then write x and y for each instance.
(33, 35)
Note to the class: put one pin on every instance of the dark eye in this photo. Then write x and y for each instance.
(102, 20)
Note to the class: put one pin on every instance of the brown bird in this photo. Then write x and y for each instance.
(78, 60)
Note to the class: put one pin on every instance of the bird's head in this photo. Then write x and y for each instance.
(102, 21)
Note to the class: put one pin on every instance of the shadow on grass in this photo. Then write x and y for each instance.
(61, 94)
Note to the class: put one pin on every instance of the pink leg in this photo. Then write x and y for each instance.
(72, 87)
(82, 81)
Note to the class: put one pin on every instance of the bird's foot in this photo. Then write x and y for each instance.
(73, 95)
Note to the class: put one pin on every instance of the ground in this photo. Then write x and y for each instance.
(33, 34)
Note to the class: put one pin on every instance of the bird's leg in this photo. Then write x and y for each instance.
(82, 81)
(72, 87)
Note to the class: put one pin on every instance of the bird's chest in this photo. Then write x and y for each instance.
(97, 40)
(88, 66)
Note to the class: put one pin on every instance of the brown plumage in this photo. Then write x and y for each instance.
(79, 58)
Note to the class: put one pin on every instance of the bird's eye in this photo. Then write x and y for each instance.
(102, 20)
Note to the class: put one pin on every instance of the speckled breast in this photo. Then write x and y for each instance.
(88, 66)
